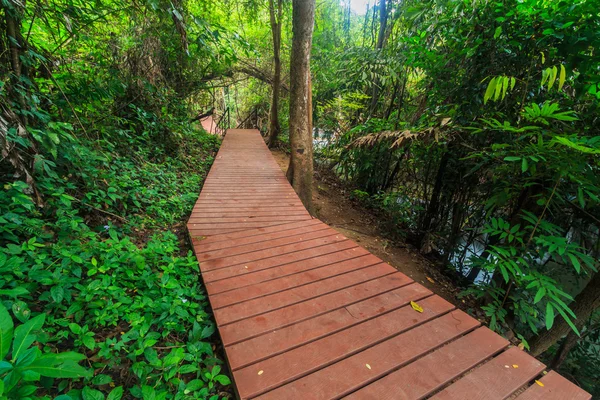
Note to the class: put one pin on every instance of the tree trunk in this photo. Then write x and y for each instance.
(274, 127)
(380, 43)
(434, 202)
(17, 46)
(300, 171)
(583, 306)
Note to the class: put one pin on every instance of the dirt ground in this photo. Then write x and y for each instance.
(334, 207)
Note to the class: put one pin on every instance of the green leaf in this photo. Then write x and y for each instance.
(512, 158)
(101, 379)
(24, 336)
(57, 293)
(68, 369)
(524, 165)
(549, 316)
(222, 379)
(553, 74)
(504, 86)
(91, 394)
(490, 90)
(497, 32)
(539, 295)
(575, 262)
(116, 393)
(512, 83)
(148, 393)
(498, 88)
(562, 77)
(6, 331)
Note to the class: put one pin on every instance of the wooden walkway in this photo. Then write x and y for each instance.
(306, 313)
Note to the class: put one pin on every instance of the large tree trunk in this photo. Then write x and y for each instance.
(300, 171)
(275, 15)
(583, 306)
(380, 43)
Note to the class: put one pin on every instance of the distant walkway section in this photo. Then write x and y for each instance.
(306, 313)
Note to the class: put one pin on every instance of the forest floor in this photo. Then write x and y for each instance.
(334, 206)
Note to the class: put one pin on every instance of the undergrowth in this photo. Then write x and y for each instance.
(99, 298)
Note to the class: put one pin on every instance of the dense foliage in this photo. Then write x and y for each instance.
(474, 129)
(99, 291)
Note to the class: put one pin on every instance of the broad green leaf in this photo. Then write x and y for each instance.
(490, 90)
(223, 380)
(549, 316)
(68, 369)
(24, 336)
(512, 83)
(115, 394)
(6, 331)
(504, 86)
(524, 165)
(539, 295)
(512, 158)
(91, 394)
(497, 32)
(543, 58)
(498, 88)
(148, 393)
(562, 77)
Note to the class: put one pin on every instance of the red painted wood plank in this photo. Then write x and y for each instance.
(496, 379)
(296, 295)
(246, 279)
(291, 281)
(251, 327)
(360, 369)
(259, 231)
(203, 246)
(306, 359)
(427, 374)
(277, 342)
(266, 244)
(306, 254)
(555, 388)
(268, 253)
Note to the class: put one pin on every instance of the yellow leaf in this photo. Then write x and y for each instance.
(430, 280)
(562, 77)
(416, 307)
(515, 366)
(539, 383)
(368, 366)
(260, 372)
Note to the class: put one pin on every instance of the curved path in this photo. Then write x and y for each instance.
(305, 313)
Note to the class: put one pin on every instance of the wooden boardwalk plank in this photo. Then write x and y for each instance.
(247, 279)
(306, 313)
(427, 374)
(496, 379)
(279, 341)
(352, 373)
(277, 319)
(555, 388)
(275, 301)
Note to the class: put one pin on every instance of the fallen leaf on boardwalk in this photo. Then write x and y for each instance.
(521, 346)
(416, 307)
(515, 366)
(539, 383)
(506, 366)
(430, 280)
(260, 372)
(368, 366)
